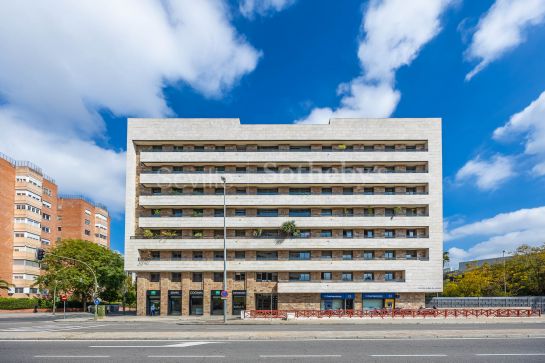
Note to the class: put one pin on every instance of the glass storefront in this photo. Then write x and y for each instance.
(153, 302)
(266, 301)
(337, 301)
(216, 302)
(376, 301)
(239, 301)
(174, 302)
(196, 302)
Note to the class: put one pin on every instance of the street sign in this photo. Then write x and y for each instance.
(97, 301)
(63, 298)
(224, 294)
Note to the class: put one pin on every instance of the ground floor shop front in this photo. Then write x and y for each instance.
(210, 302)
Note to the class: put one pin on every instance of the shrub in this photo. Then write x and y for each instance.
(290, 229)
(11, 303)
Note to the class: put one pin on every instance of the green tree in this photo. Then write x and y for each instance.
(290, 229)
(4, 285)
(446, 258)
(71, 277)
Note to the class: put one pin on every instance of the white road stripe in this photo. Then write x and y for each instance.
(509, 354)
(408, 355)
(302, 356)
(71, 356)
(177, 345)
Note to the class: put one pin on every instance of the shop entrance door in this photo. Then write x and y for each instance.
(239, 301)
(196, 302)
(174, 302)
(153, 302)
(216, 303)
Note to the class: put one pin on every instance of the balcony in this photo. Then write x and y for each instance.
(321, 286)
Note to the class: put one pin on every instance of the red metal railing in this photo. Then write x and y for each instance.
(395, 313)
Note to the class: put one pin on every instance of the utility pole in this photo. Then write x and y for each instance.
(224, 249)
(504, 275)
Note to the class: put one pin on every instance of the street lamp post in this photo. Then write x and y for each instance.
(504, 275)
(224, 249)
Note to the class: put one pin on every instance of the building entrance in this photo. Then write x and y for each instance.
(216, 303)
(239, 301)
(196, 302)
(376, 301)
(174, 302)
(153, 302)
(337, 301)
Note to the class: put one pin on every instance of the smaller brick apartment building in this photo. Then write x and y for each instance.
(33, 216)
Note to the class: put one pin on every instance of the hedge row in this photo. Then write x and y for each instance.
(10, 303)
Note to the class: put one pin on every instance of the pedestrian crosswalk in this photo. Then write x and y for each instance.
(48, 328)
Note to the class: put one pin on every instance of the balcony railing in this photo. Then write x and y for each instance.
(289, 172)
(288, 216)
(147, 193)
(341, 281)
(148, 259)
(285, 150)
(271, 237)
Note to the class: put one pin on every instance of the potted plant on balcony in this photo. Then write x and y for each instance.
(290, 229)
(398, 211)
(166, 233)
(341, 147)
(156, 213)
(257, 232)
(197, 235)
(148, 233)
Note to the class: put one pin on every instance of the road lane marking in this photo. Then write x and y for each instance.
(186, 356)
(49, 328)
(71, 356)
(176, 345)
(509, 354)
(407, 355)
(301, 356)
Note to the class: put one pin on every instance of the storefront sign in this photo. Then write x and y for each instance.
(215, 292)
(174, 292)
(378, 295)
(239, 292)
(337, 295)
(154, 292)
(196, 292)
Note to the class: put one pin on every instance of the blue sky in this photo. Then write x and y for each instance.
(70, 88)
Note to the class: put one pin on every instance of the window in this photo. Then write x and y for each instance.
(368, 255)
(327, 191)
(240, 232)
(368, 276)
(368, 169)
(19, 290)
(87, 232)
(198, 148)
(154, 277)
(389, 212)
(389, 255)
(411, 233)
(240, 276)
(411, 255)
(410, 147)
(411, 212)
(326, 212)
(368, 147)
(299, 213)
(327, 255)
(267, 148)
(299, 255)
(369, 212)
(388, 276)
(410, 191)
(300, 147)
(328, 276)
(389, 169)
(219, 169)
(196, 277)
(157, 148)
(389, 147)
(47, 217)
(389, 233)
(347, 255)
(218, 191)
(299, 191)
(33, 290)
(327, 169)
(326, 233)
(266, 276)
(176, 277)
(411, 169)
(220, 148)
(59, 229)
(176, 255)
(241, 147)
(348, 191)
(199, 169)
(267, 212)
(177, 169)
(266, 255)
(177, 213)
(348, 233)
(368, 191)
(348, 212)
(346, 276)
(305, 233)
(177, 191)
(197, 212)
(218, 212)
(218, 255)
(299, 276)
(240, 255)
(240, 170)
(368, 233)
(389, 191)
(240, 191)
(198, 191)
(218, 277)
(327, 148)
(197, 255)
(267, 191)
(240, 212)
(218, 234)
(87, 222)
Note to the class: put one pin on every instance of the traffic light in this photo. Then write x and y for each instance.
(40, 253)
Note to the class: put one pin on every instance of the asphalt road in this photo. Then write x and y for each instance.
(452, 350)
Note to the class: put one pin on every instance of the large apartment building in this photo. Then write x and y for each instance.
(81, 218)
(30, 219)
(362, 198)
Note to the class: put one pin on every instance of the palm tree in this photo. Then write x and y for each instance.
(4, 285)
(446, 258)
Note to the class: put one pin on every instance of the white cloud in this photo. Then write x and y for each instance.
(501, 29)
(395, 32)
(487, 174)
(63, 61)
(249, 8)
(505, 231)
